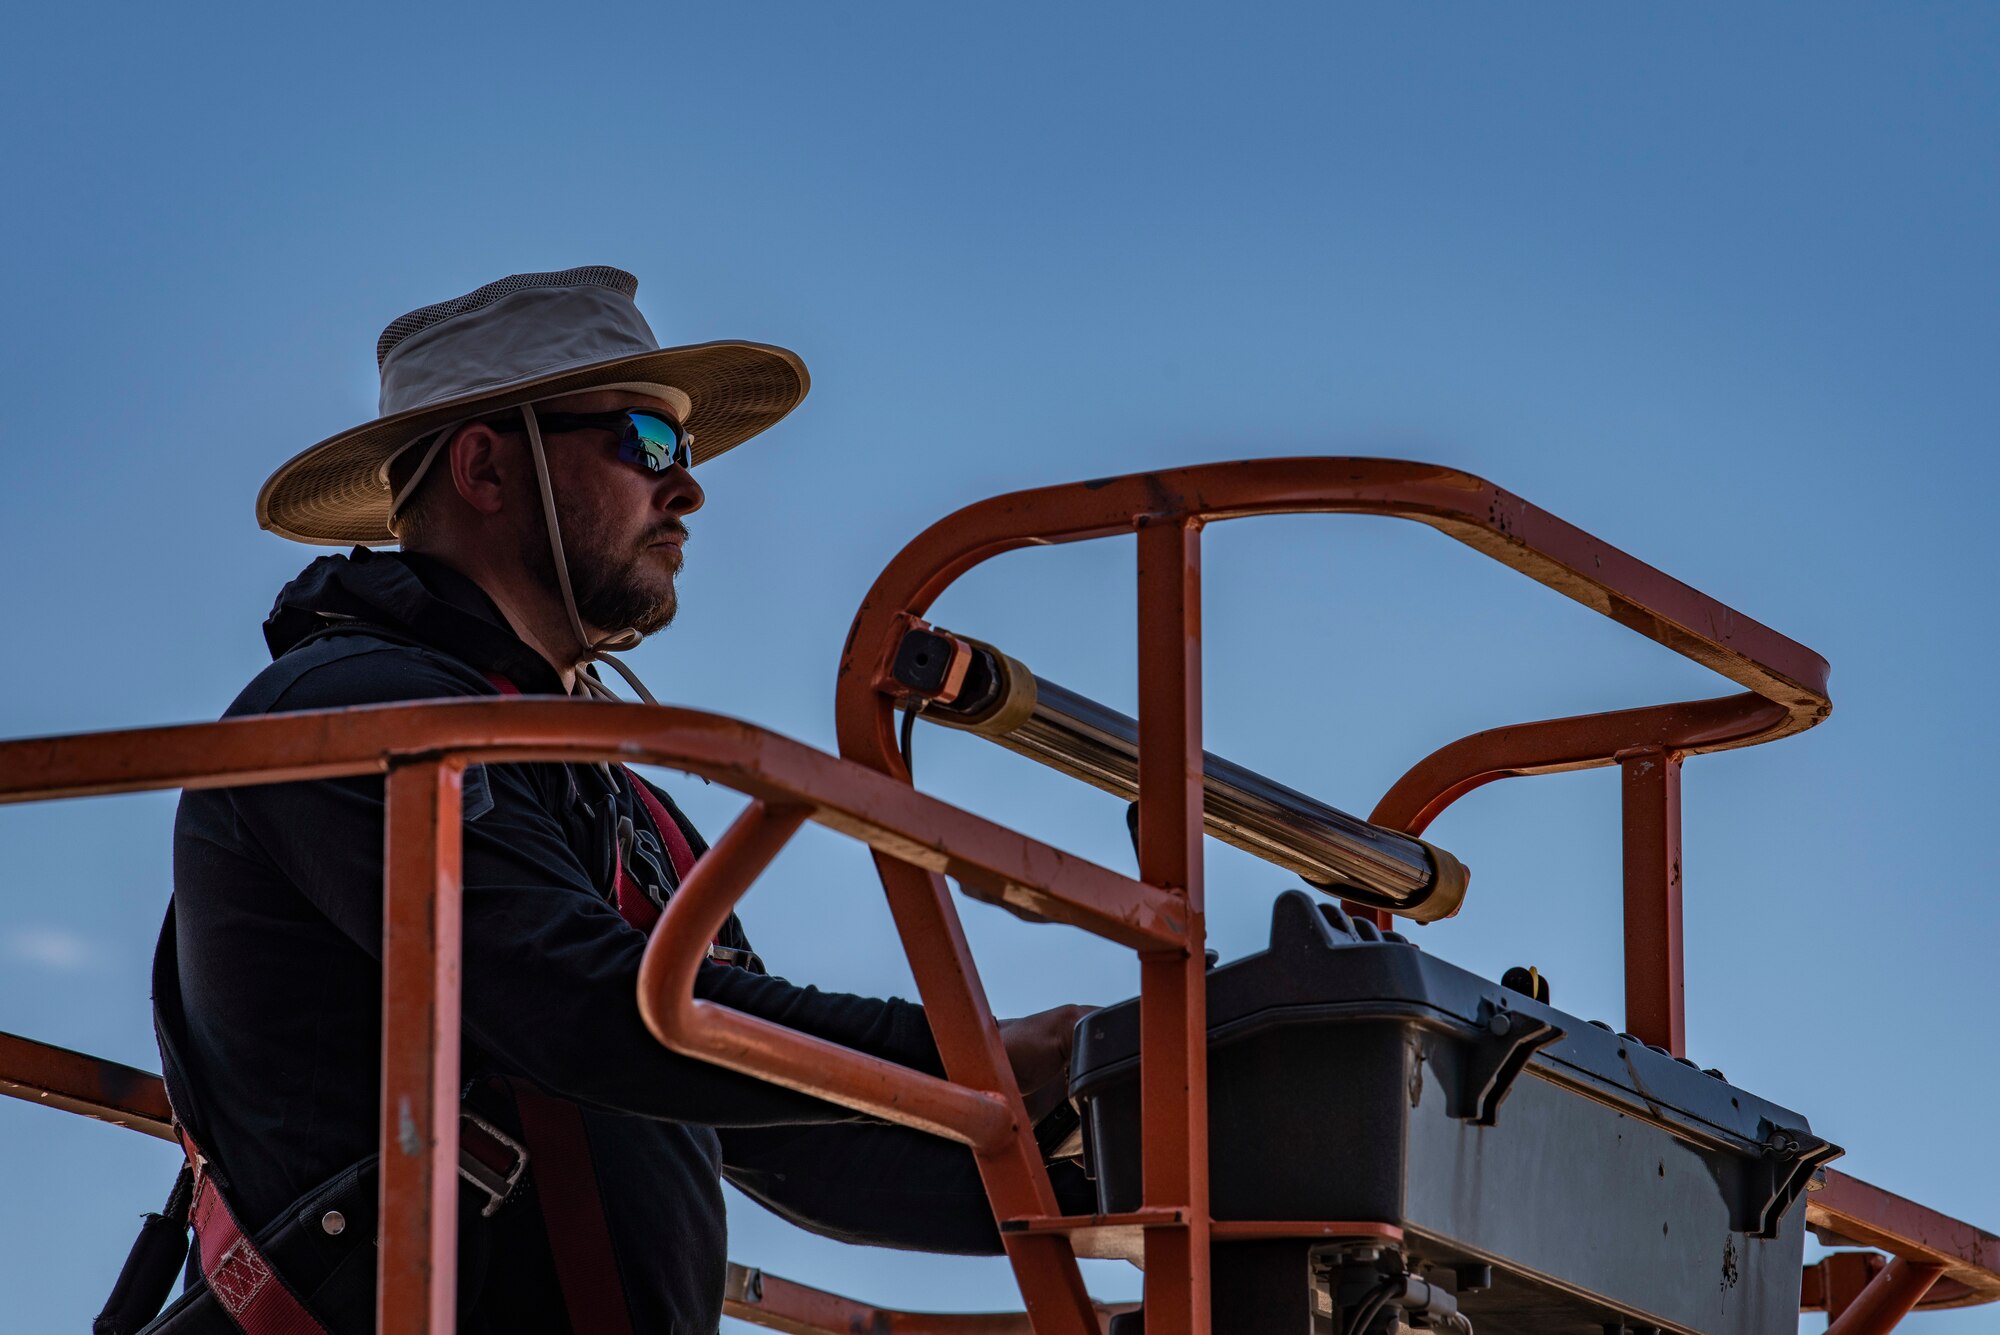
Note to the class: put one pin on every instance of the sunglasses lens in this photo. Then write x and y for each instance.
(651, 441)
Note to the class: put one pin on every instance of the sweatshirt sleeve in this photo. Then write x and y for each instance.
(886, 1186)
(550, 970)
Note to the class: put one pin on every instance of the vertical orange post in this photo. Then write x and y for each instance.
(1173, 986)
(1655, 986)
(418, 1264)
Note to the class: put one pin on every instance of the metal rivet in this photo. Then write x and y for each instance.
(333, 1221)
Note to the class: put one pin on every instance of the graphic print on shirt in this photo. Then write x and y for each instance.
(645, 861)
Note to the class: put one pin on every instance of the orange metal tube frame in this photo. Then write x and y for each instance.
(89, 1086)
(423, 750)
(1785, 681)
(1786, 693)
(730, 1038)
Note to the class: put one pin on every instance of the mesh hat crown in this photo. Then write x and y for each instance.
(599, 275)
(526, 337)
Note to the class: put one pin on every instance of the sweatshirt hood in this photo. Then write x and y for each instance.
(412, 596)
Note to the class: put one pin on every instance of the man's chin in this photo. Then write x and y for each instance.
(647, 612)
(649, 617)
(633, 594)
(656, 621)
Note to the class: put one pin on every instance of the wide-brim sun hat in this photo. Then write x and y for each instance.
(522, 339)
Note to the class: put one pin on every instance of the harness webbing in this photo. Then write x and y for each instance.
(572, 1212)
(255, 1296)
(565, 1178)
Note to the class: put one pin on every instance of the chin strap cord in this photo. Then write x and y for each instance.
(402, 497)
(601, 650)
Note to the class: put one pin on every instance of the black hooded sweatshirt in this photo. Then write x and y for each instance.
(276, 934)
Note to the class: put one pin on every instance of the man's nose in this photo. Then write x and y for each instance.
(677, 493)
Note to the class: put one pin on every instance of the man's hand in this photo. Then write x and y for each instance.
(1038, 1048)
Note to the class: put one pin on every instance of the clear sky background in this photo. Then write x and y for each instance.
(1717, 283)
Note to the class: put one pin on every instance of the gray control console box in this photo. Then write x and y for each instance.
(1353, 1077)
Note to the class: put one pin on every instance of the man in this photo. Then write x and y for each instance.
(533, 456)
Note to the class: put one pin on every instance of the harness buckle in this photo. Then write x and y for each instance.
(742, 959)
(489, 1159)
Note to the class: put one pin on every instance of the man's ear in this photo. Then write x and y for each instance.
(478, 458)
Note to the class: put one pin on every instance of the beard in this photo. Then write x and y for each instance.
(616, 588)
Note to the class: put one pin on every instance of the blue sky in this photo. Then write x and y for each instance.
(1717, 283)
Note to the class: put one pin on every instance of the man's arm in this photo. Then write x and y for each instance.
(896, 1187)
(550, 970)
(885, 1186)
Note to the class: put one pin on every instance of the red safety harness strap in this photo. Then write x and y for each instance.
(565, 1178)
(671, 834)
(573, 1212)
(245, 1286)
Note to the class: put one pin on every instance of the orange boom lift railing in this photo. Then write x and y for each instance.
(918, 842)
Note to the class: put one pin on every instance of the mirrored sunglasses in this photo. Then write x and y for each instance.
(646, 438)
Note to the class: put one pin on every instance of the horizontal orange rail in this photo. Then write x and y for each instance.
(1470, 509)
(90, 1086)
(1849, 1208)
(990, 860)
(784, 1305)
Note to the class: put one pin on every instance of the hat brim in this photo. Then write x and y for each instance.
(334, 493)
